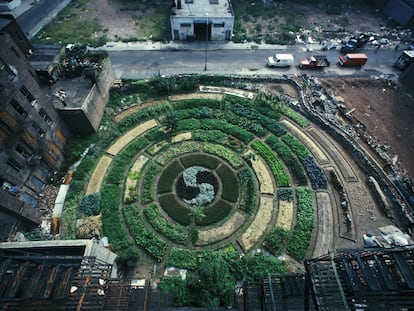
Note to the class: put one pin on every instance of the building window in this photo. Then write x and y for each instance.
(27, 94)
(18, 108)
(38, 129)
(2, 87)
(45, 116)
(14, 164)
(185, 25)
(27, 198)
(214, 1)
(218, 25)
(37, 182)
(23, 151)
(6, 68)
(189, 1)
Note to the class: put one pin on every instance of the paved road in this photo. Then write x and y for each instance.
(142, 64)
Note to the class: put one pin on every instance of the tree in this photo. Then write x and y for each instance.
(212, 283)
(197, 213)
(170, 121)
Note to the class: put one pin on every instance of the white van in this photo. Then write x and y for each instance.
(280, 60)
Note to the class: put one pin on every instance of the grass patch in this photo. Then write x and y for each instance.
(230, 184)
(174, 209)
(165, 183)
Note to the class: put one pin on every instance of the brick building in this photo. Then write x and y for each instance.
(32, 135)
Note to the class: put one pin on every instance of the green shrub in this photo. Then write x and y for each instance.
(278, 170)
(111, 221)
(90, 204)
(171, 231)
(210, 135)
(302, 232)
(293, 164)
(148, 182)
(277, 240)
(142, 236)
(181, 258)
(232, 157)
(248, 195)
(295, 145)
(285, 194)
(295, 116)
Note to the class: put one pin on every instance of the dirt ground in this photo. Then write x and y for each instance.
(387, 112)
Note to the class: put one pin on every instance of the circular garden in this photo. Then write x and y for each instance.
(183, 176)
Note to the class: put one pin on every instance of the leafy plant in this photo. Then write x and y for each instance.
(302, 231)
(90, 204)
(278, 171)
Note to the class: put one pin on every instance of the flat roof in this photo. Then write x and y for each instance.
(204, 8)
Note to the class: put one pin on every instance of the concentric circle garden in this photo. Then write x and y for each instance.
(219, 169)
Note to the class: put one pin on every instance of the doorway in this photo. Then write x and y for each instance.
(202, 30)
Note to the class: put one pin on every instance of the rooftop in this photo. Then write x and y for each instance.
(202, 8)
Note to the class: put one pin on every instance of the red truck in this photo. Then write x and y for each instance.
(315, 61)
(353, 60)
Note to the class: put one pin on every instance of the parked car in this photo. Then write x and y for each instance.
(280, 60)
(355, 43)
(404, 60)
(315, 61)
(353, 59)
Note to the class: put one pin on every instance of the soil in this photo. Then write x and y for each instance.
(387, 112)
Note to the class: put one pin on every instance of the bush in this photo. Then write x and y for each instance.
(289, 159)
(170, 230)
(90, 204)
(181, 258)
(315, 173)
(142, 236)
(248, 195)
(277, 240)
(302, 231)
(278, 170)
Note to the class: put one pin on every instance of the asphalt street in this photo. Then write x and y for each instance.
(143, 64)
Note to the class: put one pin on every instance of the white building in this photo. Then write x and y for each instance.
(202, 20)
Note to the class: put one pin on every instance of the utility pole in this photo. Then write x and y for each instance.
(205, 60)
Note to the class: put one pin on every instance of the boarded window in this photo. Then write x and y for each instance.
(60, 136)
(54, 149)
(8, 119)
(29, 140)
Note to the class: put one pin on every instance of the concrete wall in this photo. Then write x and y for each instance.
(220, 28)
(86, 119)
